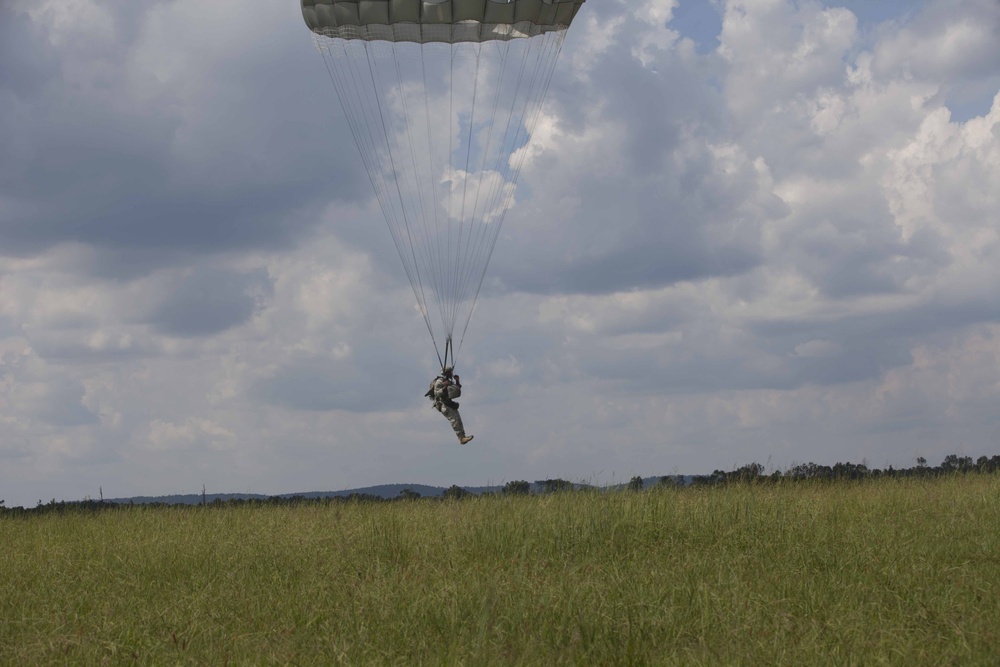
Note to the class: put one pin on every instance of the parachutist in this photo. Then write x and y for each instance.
(445, 388)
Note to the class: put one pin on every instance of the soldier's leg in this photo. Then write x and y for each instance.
(455, 419)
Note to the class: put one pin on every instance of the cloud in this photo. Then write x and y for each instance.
(777, 51)
(944, 41)
(322, 384)
(781, 248)
(192, 433)
(673, 198)
(28, 67)
(209, 301)
(58, 402)
(153, 139)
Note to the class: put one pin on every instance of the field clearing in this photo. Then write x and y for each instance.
(892, 571)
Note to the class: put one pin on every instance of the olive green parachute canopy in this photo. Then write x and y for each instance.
(437, 20)
(441, 98)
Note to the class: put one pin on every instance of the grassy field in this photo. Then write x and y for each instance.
(902, 572)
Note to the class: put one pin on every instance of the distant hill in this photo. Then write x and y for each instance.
(381, 490)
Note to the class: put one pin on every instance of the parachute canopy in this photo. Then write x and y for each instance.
(442, 97)
(442, 21)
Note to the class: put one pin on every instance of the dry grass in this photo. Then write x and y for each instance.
(891, 572)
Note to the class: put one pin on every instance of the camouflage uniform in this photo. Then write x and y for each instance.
(442, 393)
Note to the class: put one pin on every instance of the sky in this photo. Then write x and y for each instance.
(756, 231)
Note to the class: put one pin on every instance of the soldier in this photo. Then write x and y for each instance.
(444, 390)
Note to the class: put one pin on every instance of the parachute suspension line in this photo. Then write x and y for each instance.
(381, 188)
(338, 80)
(515, 118)
(508, 141)
(459, 253)
(448, 350)
(490, 222)
(448, 176)
(520, 114)
(438, 263)
(487, 149)
(438, 352)
(507, 144)
(375, 175)
(418, 288)
(499, 185)
(486, 93)
(420, 230)
(451, 185)
(548, 67)
(545, 64)
(478, 257)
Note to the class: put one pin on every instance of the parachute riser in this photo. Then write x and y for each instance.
(449, 355)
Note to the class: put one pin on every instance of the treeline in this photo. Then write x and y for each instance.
(753, 473)
(89, 505)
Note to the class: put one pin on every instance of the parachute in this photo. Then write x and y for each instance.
(441, 97)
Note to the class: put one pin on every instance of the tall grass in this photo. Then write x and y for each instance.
(890, 572)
